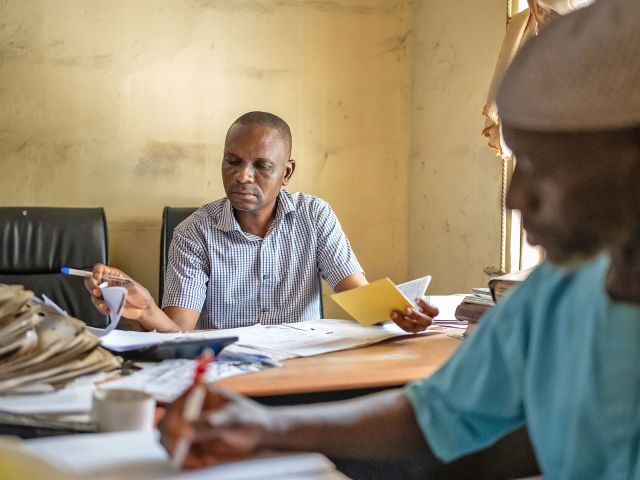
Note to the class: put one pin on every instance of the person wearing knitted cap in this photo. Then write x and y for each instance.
(558, 360)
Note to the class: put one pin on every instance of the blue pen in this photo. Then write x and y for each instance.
(87, 274)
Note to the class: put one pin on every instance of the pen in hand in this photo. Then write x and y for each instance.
(88, 274)
(192, 407)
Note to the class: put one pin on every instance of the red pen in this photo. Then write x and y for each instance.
(193, 406)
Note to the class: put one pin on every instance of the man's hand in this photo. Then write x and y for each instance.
(414, 321)
(230, 427)
(139, 300)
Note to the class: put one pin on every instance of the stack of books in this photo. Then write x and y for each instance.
(502, 284)
(42, 349)
(474, 306)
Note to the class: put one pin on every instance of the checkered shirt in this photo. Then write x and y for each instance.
(236, 279)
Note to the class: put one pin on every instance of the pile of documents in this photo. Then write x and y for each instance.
(42, 349)
(474, 305)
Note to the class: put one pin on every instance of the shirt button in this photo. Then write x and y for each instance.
(265, 310)
(265, 276)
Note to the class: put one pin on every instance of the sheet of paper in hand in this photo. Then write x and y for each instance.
(115, 297)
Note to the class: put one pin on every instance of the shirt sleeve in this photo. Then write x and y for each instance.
(336, 259)
(187, 266)
(477, 396)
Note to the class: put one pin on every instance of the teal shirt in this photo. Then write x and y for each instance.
(559, 355)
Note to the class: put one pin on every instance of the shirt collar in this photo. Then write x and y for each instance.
(227, 221)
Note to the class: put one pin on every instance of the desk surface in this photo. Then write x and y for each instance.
(391, 363)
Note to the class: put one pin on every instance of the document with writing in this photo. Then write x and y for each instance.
(300, 339)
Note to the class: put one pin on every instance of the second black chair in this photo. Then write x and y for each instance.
(35, 242)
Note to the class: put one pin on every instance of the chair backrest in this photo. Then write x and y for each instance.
(35, 242)
(171, 218)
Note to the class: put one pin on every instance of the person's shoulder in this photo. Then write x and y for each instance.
(303, 202)
(550, 285)
(557, 277)
(203, 218)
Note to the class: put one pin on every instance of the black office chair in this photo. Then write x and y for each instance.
(171, 217)
(35, 242)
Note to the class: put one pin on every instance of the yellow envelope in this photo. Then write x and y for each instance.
(372, 303)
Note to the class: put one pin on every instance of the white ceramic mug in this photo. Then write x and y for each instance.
(116, 409)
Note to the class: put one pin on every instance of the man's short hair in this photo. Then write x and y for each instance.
(267, 119)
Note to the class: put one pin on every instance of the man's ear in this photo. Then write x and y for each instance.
(288, 171)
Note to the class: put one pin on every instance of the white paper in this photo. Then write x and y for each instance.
(289, 340)
(51, 304)
(139, 455)
(167, 380)
(415, 288)
(447, 305)
(304, 339)
(115, 297)
(75, 399)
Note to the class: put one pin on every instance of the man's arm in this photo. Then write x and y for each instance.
(352, 281)
(377, 428)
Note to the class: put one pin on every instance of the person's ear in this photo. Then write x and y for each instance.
(288, 171)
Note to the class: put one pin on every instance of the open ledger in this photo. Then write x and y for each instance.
(139, 455)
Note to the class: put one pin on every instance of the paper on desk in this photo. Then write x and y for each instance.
(284, 341)
(447, 305)
(139, 455)
(74, 399)
(167, 380)
(115, 297)
(373, 303)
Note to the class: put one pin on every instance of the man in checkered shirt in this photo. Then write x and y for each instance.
(254, 256)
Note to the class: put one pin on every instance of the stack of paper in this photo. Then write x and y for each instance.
(41, 349)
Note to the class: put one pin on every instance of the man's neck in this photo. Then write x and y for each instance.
(623, 280)
(256, 223)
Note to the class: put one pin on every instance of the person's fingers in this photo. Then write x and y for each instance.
(172, 425)
(419, 318)
(100, 269)
(100, 305)
(411, 320)
(427, 308)
(403, 322)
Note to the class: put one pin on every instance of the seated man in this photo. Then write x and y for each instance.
(560, 355)
(254, 255)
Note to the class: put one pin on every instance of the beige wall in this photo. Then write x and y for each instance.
(454, 179)
(124, 104)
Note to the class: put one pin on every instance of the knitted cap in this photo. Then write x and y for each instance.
(582, 73)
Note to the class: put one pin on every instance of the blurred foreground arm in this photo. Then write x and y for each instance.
(380, 427)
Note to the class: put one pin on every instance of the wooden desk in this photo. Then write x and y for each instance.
(391, 363)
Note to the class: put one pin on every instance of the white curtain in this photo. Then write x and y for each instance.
(523, 24)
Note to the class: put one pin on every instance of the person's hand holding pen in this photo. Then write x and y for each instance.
(240, 428)
(139, 300)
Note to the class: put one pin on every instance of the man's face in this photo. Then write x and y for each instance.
(578, 192)
(255, 165)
